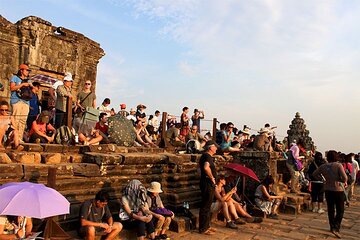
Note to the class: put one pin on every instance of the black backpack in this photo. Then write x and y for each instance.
(25, 93)
(348, 174)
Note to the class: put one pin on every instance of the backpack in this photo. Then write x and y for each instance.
(193, 146)
(25, 93)
(348, 174)
(64, 136)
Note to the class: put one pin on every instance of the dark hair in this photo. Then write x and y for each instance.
(106, 100)
(157, 111)
(185, 108)
(2, 103)
(348, 158)
(151, 117)
(220, 177)
(222, 126)
(36, 84)
(318, 158)
(332, 156)
(178, 125)
(268, 180)
(101, 116)
(267, 125)
(229, 124)
(102, 196)
(137, 121)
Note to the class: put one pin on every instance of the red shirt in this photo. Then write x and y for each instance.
(40, 127)
(104, 129)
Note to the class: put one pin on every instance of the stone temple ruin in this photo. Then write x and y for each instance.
(50, 51)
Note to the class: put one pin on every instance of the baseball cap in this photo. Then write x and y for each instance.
(24, 67)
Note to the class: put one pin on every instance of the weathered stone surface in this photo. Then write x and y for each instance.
(76, 158)
(48, 50)
(25, 157)
(51, 158)
(103, 158)
(4, 158)
(86, 170)
(298, 131)
(58, 148)
(12, 172)
(103, 148)
(32, 147)
(143, 158)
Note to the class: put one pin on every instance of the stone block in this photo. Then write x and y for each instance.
(87, 170)
(143, 158)
(12, 171)
(4, 158)
(32, 147)
(102, 148)
(103, 158)
(51, 158)
(25, 157)
(76, 158)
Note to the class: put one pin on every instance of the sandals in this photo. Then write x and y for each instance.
(208, 232)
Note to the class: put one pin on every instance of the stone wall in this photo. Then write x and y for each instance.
(47, 49)
(84, 170)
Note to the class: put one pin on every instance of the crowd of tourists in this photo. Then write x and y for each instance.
(333, 175)
(31, 121)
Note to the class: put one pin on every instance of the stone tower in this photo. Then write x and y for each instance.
(298, 131)
(48, 50)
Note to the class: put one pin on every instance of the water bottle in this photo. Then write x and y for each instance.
(76, 139)
(187, 205)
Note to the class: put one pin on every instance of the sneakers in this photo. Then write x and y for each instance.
(315, 209)
(258, 219)
(321, 210)
(231, 225)
(239, 221)
(163, 236)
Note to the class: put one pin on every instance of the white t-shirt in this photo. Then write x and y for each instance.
(355, 167)
(105, 109)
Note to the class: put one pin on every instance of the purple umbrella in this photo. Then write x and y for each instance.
(31, 200)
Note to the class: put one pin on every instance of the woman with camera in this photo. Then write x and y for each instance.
(41, 130)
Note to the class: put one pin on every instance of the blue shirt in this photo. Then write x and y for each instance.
(14, 98)
(34, 104)
(225, 144)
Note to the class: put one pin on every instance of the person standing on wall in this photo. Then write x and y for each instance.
(207, 186)
(20, 107)
(63, 93)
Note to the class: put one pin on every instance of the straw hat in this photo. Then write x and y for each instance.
(155, 187)
(264, 130)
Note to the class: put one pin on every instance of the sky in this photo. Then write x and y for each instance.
(250, 62)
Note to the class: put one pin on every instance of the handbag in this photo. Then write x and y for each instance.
(91, 114)
(163, 211)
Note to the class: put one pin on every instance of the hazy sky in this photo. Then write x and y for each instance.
(249, 62)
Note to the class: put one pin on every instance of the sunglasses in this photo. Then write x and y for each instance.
(87, 83)
(4, 110)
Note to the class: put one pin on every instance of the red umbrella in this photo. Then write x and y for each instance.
(242, 170)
